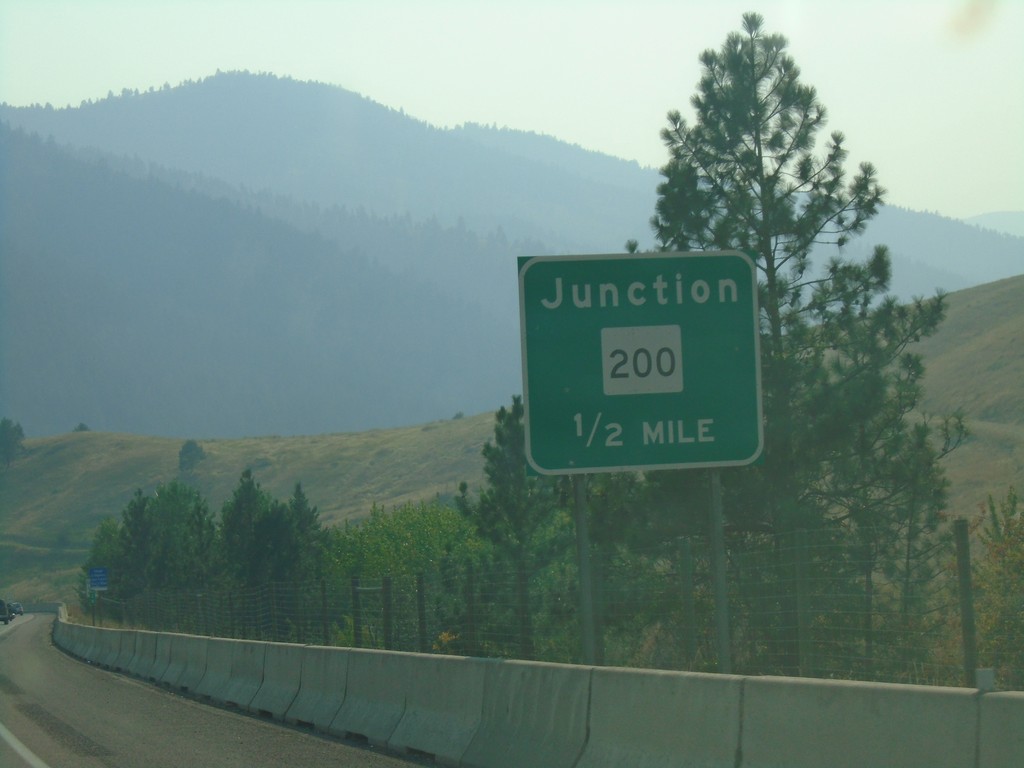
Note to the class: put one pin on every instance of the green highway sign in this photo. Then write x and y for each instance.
(647, 361)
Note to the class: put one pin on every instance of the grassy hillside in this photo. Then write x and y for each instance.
(976, 363)
(52, 498)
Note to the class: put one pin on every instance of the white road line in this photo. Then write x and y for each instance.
(24, 752)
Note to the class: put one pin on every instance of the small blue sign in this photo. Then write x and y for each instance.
(97, 579)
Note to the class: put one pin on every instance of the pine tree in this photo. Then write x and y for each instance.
(307, 540)
(242, 532)
(12, 438)
(512, 507)
(844, 452)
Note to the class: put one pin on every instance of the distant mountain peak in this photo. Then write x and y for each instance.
(1006, 222)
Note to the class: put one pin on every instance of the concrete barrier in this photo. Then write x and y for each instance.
(89, 643)
(186, 666)
(218, 669)
(106, 647)
(801, 723)
(533, 714)
(443, 705)
(247, 661)
(234, 671)
(1001, 730)
(322, 687)
(145, 654)
(74, 638)
(374, 696)
(161, 657)
(662, 719)
(70, 638)
(478, 713)
(127, 651)
(60, 634)
(46, 608)
(85, 641)
(282, 675)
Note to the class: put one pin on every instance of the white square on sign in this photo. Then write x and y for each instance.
(642, 360)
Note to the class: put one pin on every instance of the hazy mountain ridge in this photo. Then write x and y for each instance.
(329, 146)
(454, 260)
(135, 306)
(556, 153)
(323, 145)
(1005, 222)
(370, 255)
(935, 252)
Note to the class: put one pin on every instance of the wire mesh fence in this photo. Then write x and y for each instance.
(797, 606)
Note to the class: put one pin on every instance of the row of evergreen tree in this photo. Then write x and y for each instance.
(171, 540)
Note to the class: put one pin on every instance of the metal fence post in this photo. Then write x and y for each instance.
(963, 568)
(421, 612)
(323, 609)
(470, 625)
(803, 610)
(388, 614)
(357, 615)
(689, 604)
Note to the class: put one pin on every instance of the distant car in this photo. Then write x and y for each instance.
(16, 609)
(5, 613)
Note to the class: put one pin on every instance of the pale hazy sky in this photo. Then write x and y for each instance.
(930, 91)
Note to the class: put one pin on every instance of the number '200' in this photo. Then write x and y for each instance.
(642, 363)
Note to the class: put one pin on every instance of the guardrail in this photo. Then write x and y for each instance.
(489, 713)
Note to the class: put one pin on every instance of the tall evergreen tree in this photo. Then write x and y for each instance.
(242, 532)
(12, 438)
(842, 449)
(189, 456)
(181, 555)
(163, 541)
(264, 540)
(512, 507)
(307, 538)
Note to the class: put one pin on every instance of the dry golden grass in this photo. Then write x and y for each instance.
(975, 363)
(52, 498)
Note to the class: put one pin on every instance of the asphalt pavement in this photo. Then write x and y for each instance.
(58, 712)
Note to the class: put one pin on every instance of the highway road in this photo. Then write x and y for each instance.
(57, 712)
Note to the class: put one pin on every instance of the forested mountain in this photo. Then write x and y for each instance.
(1008, 222)
(328, 146)
(252, 255)
(132, 305)
(933, 252)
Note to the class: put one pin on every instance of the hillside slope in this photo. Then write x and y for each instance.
(975, 363)
(52, 498)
